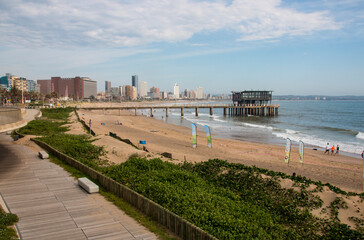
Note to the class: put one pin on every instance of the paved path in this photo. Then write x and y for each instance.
(50, 204)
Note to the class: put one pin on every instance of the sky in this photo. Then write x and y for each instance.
(311, 47)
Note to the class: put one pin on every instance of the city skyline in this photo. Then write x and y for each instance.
(290, 47)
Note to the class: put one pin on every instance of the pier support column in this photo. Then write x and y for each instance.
(211, 111)
(276, 114)
(167, 112)
(182, 113)
(135, 111)
(151, 112)
(224, 111)
(196, 112)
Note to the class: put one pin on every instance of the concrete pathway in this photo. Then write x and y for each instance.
(50, 204)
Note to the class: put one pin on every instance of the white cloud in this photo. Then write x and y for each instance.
(132, 23)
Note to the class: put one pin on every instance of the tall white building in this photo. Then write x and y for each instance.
(143, 89)
(176, 91)
(199, 93)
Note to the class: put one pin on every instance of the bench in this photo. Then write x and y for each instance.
(89, 186)
(43, 155)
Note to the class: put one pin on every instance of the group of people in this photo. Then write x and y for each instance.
(332, 149)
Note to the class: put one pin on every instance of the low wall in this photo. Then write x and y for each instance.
(171, 221)
(10, 115)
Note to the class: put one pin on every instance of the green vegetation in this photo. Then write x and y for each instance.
(53, 124)
(229, 201)
(43, 127)
(6, 220)
(57, 113)
(79, 147)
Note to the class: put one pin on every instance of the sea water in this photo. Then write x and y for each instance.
(316, 123)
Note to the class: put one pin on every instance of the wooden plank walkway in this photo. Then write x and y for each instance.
(50, 204)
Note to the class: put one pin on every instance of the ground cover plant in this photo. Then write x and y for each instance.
(43, 127)
(57, 113)
(228, 202)
(6, 220)
(79, 147)
(52, 122)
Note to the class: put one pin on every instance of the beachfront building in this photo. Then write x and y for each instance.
(130, 92)
(76, 88)
(155, 93)
(252, 98)
(107, 86)
(143, 89)
(199, 93)
(135, 83)
(176, 91)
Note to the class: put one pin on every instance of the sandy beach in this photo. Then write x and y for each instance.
(340, 170)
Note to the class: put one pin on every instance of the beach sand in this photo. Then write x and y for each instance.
(340, 170)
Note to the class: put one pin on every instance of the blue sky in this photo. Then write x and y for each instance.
(290, 47)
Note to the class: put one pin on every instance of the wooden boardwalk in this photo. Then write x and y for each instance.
(50, 204)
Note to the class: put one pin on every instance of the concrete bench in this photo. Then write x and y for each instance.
(89, 186)
(43, 155)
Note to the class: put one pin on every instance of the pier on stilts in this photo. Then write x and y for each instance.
(246, 103)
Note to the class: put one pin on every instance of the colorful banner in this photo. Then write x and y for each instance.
(288, 150)
(194, 135)
(300, 151)
(208, 135)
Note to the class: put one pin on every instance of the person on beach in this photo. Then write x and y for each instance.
(337, 149)
(362, 154)
(327, 149)
(332, 149)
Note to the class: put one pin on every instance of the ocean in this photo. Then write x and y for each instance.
(316, 123)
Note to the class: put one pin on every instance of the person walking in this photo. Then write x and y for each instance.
(332, 149)
(337, 149)
(327, 150)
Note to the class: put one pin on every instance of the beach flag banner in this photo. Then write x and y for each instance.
(208, 135)
(288, 150)
(194, 135)
(300, 151)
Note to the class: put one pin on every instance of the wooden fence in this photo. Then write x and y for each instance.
(171, 221)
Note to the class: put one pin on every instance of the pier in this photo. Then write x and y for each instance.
(228, 109)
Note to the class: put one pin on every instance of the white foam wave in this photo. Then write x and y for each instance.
(350, 147)
(257, 126)
(360, 135)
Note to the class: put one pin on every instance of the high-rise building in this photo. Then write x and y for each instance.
(76, 88)
(21, 84)
(199, 93)
(129, 92)
(155, 93)
(135, 83)
(31, 85)
(143, 89)
(176, 91)
(90, 88)
(107, 86)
